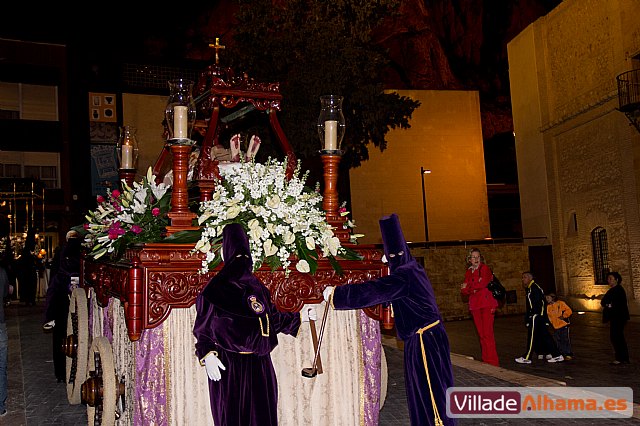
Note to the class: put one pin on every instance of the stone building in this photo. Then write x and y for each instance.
(578, 156)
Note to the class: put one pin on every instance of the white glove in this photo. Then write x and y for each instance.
(328, 293)
(213, 365)
(308, 313)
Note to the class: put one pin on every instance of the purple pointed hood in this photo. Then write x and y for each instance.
(396, 249)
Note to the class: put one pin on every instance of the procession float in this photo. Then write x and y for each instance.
(151, 248)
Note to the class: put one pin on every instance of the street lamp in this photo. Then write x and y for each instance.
(423, 172)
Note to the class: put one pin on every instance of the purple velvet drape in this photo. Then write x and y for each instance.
(150, 407)
(371, 357)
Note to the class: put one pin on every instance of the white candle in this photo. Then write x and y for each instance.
(180, 122)
(127, 157)
(330, 135)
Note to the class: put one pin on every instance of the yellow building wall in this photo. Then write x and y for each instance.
(528, 98)
(145, 112)
(445, 137)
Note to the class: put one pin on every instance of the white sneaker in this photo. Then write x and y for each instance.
(523, 360)
(540, 356)
(559, 358)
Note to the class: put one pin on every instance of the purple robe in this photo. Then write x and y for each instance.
(237, 320)
(57, 301)
(417, 320)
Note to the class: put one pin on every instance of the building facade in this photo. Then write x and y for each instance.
(578, 156)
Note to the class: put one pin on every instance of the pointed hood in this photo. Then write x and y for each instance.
(235, 289)
(396, 249)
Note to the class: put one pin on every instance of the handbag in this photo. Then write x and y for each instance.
(497, 289)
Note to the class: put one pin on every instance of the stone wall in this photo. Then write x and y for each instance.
(446, 266)
(565, 65)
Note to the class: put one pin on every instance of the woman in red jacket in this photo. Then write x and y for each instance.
(482, 305)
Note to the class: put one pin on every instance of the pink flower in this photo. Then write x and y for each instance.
(100, 199)
(342, 209)
(115, 193)
(136, 229)
(115, 230)
(155, 211)
(85, 226)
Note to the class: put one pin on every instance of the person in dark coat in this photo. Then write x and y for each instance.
(236, 329)
(615, 311)
(27, 273)
(5, 290)
(57, 302)
(538, 337)
(427, 361)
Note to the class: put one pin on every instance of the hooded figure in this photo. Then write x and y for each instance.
(236, 329)
(57, 301)
(427, 362)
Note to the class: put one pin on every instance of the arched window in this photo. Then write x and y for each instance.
(600, 254)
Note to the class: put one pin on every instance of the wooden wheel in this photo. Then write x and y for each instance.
(100, 392)
(76, 345)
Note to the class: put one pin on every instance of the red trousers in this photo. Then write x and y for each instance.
(483, 319)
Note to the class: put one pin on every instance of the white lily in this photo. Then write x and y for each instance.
(269, 248)
(303, 266)
(310, 242)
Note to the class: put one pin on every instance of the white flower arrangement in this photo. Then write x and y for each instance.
(135, 215)
(282, 218)
(349, 224)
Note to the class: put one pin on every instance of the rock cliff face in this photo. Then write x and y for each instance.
(436, 44)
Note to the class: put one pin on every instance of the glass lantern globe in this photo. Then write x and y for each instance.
(331, 124)
(180, 112)
(127, 148)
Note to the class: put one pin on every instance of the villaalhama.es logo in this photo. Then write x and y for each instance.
(540, 402)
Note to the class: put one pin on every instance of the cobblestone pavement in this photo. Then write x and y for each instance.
(36, 399)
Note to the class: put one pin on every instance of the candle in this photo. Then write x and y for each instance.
(330, 135)
(127, 157)
(180, 122)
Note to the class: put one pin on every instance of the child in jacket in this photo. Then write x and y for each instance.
(559, 313)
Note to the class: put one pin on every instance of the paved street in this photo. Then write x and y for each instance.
(36, 399)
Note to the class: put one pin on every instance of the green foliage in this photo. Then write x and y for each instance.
(317, 47)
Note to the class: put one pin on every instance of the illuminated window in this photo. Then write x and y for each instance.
(600, 254)
(28, 102)
(44, 166)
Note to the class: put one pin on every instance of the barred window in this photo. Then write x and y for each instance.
(600, 255)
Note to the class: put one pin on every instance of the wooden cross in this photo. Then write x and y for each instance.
(217, 46)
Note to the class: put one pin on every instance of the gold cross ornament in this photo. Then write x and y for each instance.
(217, 46)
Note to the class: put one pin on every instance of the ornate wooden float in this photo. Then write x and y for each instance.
(143, 304)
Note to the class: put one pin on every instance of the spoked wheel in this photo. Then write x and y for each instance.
(101, 391)
(76, 345)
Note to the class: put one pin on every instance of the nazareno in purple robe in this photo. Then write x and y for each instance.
(57, 301)
(418, 323)
(237, 320)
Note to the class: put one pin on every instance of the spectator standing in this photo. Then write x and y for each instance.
(538, 338)
(559, 313)
(27, 270)
(615, 311)
(482, 304)
(5, 290)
